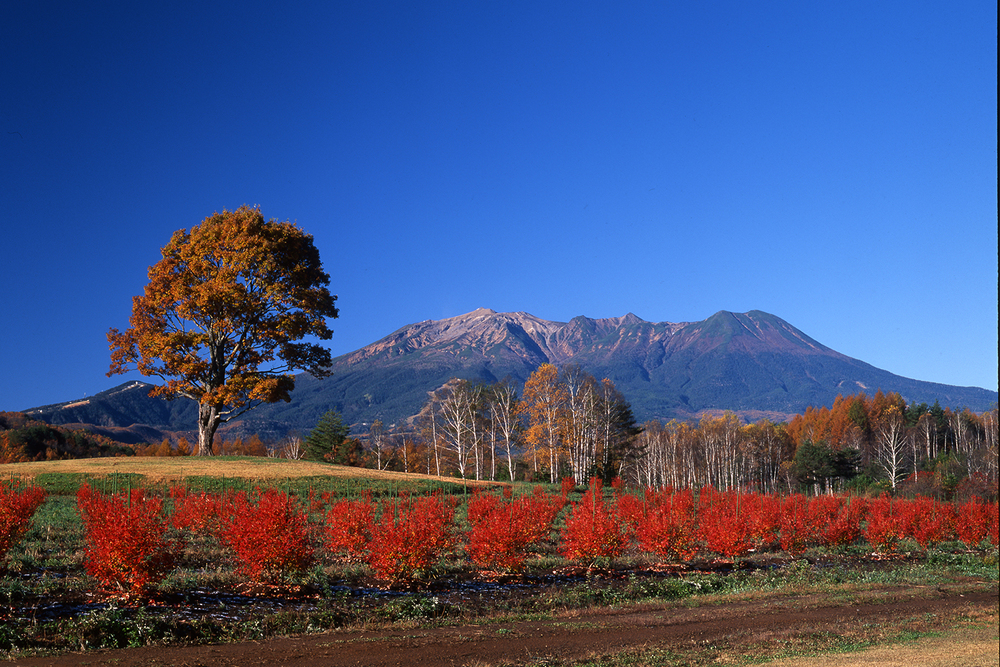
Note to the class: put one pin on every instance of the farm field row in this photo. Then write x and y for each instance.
(311, 556)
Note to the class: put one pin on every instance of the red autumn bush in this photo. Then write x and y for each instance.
(270, 538)
(593, 529)
(198, 513)
(127, 548)
(886, 524)
(844, 522)
(973, 522)
(410, 537)
(349, 526)
(503, 531)
(17, 507)
(725, 528)
(800, 523)
(928, 521)
(763, 514)
(668, 527)
(481, 505)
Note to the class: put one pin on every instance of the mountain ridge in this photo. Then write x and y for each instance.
(752, 363)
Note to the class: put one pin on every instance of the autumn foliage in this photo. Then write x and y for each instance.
(667, 525)
(593, 528)
(349, 525)
(17, 508)
(199, 513)
(410, 536)
(270, 536)
(127, 545)
(502, 531)
(219, 319)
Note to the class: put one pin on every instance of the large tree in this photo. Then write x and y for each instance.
(223, 316)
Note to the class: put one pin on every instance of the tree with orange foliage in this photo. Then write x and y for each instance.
(222, 315)
(545, 400)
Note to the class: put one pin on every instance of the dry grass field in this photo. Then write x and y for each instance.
(176, 468)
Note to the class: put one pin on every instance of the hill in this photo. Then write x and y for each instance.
(753, 363)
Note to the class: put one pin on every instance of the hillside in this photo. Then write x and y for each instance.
(753, 363)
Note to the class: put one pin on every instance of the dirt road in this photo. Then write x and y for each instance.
(726, 630)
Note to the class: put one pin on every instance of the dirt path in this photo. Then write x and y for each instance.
(729, 629)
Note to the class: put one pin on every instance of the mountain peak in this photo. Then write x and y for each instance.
(750, 363)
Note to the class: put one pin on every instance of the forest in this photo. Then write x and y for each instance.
(568, 424)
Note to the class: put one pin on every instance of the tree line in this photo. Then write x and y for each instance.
(566, 423)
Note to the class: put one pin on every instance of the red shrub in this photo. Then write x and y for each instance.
(844, 526)
(502, 532)
(17, 507)
(724, 527)
(593, 530)
(567, 485)
(349, 525)
(928, 521)
(800, 523)
(763, 515)
(886, 524)
(480, 505)
(127, 548)
(201, 513)
(269, 538)
(974, 520)
(410, 537)
(632, 511)
(669, 527)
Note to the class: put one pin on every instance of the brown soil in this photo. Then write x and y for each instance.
(716, 631)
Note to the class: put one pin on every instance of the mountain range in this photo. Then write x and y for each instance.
(754, 364)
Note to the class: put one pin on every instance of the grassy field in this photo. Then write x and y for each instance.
(177, 468)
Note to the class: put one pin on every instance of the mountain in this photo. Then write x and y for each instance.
(752, 363)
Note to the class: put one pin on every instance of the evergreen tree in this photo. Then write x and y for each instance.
(326, 438)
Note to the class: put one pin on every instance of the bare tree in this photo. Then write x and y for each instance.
(427, 421)
(459, 407)
(890, 444)
(505, 414)
(292, 448)
(378, 440)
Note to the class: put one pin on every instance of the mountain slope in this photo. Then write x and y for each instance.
(753, 363)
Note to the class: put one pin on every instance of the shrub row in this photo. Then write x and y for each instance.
(129, 544)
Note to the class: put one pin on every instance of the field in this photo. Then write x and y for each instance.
(178, 468)
(624, 606)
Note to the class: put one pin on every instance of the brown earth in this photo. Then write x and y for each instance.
(709, 631)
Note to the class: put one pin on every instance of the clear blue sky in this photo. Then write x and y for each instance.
(832, 163)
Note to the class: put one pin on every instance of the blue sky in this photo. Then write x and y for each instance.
(834, 164)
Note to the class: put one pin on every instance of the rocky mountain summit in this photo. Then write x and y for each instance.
(753, 363)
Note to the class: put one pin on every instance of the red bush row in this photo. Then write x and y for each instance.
(270, 534)
(675, 526)
(17, 508)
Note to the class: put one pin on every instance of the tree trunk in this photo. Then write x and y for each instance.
(209, 418)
